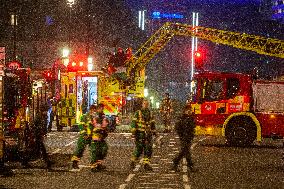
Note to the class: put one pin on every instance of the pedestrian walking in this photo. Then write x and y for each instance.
(185, 128)
(85, 138)
(99, 146)
(38, 130)
(50, 113)
(143, 130)
(166, 110)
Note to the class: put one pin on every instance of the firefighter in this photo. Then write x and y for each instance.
(99, 146)
(85, 137)
(100, 113)
(119, 58)
(128, 53)
(143, 130)
(185, 127)
(38, 129)
(166, 110)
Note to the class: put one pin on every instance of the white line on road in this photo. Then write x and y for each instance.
(56, 151)
(129, 177)
(70, 143)
(185, 178)
(187, 186)
(184, 167)
(122, 186)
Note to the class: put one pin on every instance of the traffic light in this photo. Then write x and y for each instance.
(48, 76)
(198, 58)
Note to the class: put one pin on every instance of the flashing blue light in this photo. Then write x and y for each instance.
(158, 15)
(48, 20)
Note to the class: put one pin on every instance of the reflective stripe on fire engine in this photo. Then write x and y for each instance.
(252, 116)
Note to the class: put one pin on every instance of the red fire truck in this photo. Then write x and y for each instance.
(238, 107)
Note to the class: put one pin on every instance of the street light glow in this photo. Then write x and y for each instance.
(90, 60)
(65, 53)
(146, 92)
(70, 2)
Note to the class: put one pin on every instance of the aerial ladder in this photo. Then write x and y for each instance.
(258, 44)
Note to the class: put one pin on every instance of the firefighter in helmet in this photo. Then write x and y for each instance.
(166, 110)
(85, 137)
(143, 129)
(99, 146)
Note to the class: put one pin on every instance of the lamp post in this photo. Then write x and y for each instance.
(14, 23)
(70, 3)
(195, 22)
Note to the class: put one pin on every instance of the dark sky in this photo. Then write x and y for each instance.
(173, 61)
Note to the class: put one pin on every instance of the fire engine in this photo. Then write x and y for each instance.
(19, 105)
(238, 107)
(135, 65)
(242, 109)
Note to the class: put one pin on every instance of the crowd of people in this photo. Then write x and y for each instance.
(93, 131)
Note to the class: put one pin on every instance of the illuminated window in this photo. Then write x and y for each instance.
(213, 90)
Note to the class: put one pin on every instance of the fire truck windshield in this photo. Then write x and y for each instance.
(212, 89)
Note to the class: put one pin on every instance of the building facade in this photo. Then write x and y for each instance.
(278, 10)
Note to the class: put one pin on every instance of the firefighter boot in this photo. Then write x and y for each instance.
(95, 167)
(75, 165)
(132, 164)
(191, 168)
(175, 167)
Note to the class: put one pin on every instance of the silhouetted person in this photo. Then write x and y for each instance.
(38, 129)
(185, 128)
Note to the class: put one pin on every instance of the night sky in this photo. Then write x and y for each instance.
(114, 23)
(173, 62)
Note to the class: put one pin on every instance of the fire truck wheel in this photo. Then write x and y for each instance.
(240, 131)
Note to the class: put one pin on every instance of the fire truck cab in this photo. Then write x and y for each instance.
(237, 106)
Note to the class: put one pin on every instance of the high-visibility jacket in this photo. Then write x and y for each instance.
(85, 124)
(143, 121)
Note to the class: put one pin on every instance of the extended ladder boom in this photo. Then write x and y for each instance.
(258, 44)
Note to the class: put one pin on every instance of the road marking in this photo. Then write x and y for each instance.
(185, 178)
(70, 143)
(122, 186)
(85, 166)
(56, 151)
(187, 186)
(184, 167)
(129, 177)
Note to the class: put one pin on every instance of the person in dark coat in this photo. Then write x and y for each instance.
(38, 129)
(185, 128)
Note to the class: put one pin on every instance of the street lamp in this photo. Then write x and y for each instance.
(70, 3)
(65, 56)
(146, 92)
(65, 53)
(90, 63)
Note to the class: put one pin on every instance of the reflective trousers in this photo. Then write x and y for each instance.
(143, 143)
(98, 151)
